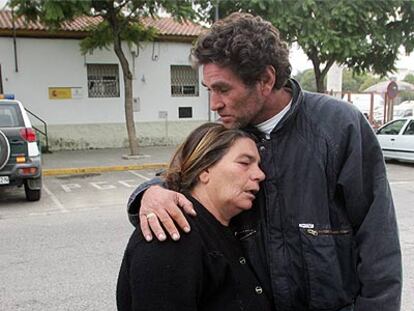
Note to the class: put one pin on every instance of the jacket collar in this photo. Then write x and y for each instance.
(297, 98)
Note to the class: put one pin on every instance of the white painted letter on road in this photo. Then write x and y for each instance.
(102, 185)
(69, 187)
(130, 183)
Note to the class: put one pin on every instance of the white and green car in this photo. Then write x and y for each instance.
(20, 159)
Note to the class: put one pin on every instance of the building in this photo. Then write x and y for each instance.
(80, 97)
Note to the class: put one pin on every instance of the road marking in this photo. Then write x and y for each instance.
(55, 200)
(102, 185)
(401, 182)
(70, 187)
(139, 175)
(129, 183)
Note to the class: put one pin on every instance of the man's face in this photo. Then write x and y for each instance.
(237, 104)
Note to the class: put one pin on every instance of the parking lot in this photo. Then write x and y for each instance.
(64, 252)
(62, 194)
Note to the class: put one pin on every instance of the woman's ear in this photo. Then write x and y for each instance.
(204, 176)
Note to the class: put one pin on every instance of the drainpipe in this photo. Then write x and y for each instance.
(16, 67)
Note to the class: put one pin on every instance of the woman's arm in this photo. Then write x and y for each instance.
(164, 277)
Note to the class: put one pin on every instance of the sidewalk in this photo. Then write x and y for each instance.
(104, 160)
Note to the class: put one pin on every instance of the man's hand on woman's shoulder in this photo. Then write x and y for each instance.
(161, 209)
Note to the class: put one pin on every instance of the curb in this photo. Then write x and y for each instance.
(101, 169)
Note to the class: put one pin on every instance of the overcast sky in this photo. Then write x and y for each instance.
(300, 61)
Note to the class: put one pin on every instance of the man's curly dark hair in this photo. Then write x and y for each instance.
(247, 45)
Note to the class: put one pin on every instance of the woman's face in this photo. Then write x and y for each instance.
(232, 183)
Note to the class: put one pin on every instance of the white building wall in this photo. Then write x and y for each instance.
(100, 122)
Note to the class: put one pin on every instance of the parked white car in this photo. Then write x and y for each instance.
(397, 139)
(405, 109)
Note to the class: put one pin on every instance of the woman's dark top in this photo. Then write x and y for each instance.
(204, 270)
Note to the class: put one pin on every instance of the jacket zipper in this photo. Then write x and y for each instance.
(314, 232)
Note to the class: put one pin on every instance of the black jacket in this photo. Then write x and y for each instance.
(204, 270)
(324, 234)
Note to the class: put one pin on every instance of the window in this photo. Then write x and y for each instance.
(393, 128)
(184, 81)
(409, 129)
(10, 115)
(103, 80)
(185, 112)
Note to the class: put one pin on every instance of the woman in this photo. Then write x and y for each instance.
(218, 170)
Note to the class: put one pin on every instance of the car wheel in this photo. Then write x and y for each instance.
(4, 150)
(32, 194)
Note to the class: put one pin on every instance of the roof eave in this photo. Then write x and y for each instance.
(82, 34)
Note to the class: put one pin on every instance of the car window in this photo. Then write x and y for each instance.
(393, 128)
(410, 128)
(10, 115)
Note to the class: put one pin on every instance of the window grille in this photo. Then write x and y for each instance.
(185, 112)
(184, 81)
(103, 80)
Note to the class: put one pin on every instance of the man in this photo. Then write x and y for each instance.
(324, 234)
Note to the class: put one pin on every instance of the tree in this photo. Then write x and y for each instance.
(357, 82)
(364, 35)
(409, 78)
(369, 81)
(306, 79)
(121, 20)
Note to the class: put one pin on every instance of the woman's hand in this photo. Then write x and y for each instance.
(161, 209)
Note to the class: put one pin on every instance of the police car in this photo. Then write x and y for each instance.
(20, 159)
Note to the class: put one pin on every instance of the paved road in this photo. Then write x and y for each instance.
(64, 252)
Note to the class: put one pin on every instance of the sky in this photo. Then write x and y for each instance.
(300, 61)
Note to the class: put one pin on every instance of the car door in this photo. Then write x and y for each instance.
(404, 143)
(388, 134)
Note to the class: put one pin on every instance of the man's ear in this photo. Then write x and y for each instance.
(268, 80)
(204, 176)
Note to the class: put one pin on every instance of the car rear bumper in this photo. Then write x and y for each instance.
(16, 175)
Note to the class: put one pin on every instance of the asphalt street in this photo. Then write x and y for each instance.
(64, 252)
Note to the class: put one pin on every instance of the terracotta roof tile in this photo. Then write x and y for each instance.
(166, 26)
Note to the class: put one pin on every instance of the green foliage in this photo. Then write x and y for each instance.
(51, 12)
(121, 19)
(307, 80)
(351, 82)
(369, 81)
(406, 95)
(358, 82)
(409, 78)
(363, 35)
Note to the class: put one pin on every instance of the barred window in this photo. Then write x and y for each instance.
(103, 80)
(184, 81)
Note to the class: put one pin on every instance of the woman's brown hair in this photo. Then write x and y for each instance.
(204, 147)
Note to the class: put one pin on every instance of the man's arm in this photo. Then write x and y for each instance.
(370, 207)
(157, 208)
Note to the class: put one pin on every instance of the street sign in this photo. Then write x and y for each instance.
(163, 114)
(392, 90)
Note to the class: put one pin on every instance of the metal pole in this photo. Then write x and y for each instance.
(371, 109)
(217, 15)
